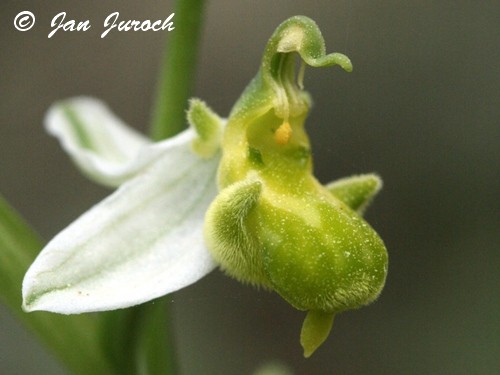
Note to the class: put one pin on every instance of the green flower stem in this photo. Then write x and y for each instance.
(153, 352)
(177, 74)
(137, 339)
(153, 336)
(74, 339)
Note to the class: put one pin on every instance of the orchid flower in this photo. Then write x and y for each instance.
(239, 194)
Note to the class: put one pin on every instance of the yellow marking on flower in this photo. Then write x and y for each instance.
(283, 134)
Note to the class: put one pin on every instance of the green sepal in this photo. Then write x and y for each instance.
(208, 126)
(356, 191)
(315, 330)
(230, 238)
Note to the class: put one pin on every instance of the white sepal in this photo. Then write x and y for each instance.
(142, 242)
(100, 144)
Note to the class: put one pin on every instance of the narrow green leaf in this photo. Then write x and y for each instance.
(74, 339)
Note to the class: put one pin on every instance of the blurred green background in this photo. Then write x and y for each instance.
(421, 108)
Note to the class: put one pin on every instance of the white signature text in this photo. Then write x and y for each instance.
(112, 22)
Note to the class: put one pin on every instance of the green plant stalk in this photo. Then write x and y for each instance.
(137, 339)
(74, 339)
(152, 336)
(142, 344)
(177, 71)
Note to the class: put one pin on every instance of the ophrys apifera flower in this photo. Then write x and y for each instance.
(247, 184)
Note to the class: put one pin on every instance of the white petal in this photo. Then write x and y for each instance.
(142, 242)
(100, 144)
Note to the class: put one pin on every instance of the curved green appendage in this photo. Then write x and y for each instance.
(301, 35)
(276, 84)
(208, 126)
(315, 330)
(229, 236)
(357, 191)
